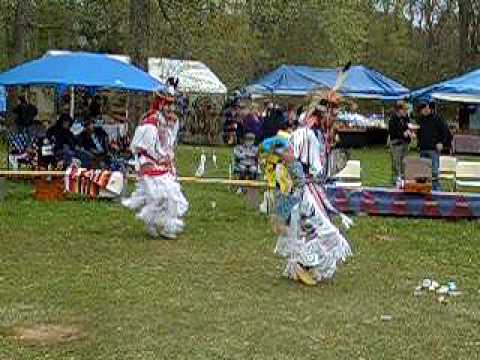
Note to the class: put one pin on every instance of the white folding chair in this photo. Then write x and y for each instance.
(350, 175)
(467, 176)
(448, 166)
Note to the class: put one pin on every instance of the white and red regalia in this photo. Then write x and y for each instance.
(158, 198)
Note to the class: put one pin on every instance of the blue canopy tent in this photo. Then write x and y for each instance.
(89, 70)
(81, 69)
(361, 82)
(86, 70)
(465, 88)
(286, 81)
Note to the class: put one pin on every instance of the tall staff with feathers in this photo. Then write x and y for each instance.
(326, 103)
(332, 104)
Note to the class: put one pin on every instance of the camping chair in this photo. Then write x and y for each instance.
(20, 150)
(350, 175)
(467, 176)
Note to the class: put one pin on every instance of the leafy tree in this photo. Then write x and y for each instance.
(414, 41)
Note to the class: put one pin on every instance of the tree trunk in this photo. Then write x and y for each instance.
(464, 14)
(139, 26)
(140, 32)
(22, 28)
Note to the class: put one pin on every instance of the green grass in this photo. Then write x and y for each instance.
(217, 293)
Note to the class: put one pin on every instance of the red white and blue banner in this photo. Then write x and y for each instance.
(392, 202)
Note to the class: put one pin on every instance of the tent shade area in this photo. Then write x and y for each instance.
(361, 83)
(194, 76)
(81, 69)
(463, 89)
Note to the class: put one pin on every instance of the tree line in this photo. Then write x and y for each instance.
(416, 42)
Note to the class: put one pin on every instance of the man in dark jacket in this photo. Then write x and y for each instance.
(400, 137)
(63, 139)
(93, 145)
(95, 108)
(433, 136)
(253, 124)
(273, 122)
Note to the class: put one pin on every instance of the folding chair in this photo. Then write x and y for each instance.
(448, 165)
(467, 176)
(350, 175)
(18, 146)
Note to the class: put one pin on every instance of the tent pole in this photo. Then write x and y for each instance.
(126, 107)
(72, 102)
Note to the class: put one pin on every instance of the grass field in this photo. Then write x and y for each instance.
(217, 293)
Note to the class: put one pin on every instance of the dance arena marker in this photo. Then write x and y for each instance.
(196, 180)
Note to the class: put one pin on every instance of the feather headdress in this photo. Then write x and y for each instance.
(325, 97)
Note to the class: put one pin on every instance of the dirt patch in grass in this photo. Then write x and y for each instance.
(46, 334)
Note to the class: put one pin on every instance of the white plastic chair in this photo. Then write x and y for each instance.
(467, 175)
(448, 166)
(350, 175)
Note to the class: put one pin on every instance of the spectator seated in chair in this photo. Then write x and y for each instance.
(93, 146)
(37, 130)
(45, 151)
(31, 147)
(245, 159)
(44, 147)
(63, 140)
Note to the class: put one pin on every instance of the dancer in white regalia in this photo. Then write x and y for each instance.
(158, 198)
(310, 242)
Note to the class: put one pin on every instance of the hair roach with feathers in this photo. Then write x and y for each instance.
(321, 99)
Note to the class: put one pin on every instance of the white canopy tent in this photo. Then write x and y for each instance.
(194, 76)
(123, 58)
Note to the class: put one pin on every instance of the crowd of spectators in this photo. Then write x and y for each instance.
(263, 122)
(32, 143)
